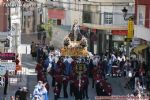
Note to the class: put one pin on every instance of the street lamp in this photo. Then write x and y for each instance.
(125, 12)
(130, 33)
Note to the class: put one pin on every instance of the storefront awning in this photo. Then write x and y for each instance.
(139, 48)
(104, 27)
(141, 32)
(56, 14)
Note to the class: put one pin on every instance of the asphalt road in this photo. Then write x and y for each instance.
(116, 83)
(31, 80)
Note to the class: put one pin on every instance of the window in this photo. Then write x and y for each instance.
(108, 18)
(86, 17)
(28, 22)
(56, 22)
(141, 15)
(24, 21)
(87, 14)
(40, 18)
(14, 11)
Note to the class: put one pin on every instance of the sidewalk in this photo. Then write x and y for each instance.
(14, 83)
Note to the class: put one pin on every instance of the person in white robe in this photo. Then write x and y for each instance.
(44, 92)
(36, 93)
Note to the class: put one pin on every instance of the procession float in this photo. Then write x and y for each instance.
(75, 44)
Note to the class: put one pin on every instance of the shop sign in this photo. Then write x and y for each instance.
(4, 66)
(74, 52)
(118, 38)
(56, 14)
(7, 56)
(119, 32)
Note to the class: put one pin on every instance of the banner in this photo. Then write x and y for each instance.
(7, 56)
(7, 66)
(130, 29)
(74, 52)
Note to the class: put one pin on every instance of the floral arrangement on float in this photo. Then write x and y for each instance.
(83, 42)
(66, 42)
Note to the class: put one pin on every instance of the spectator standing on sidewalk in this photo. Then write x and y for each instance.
(136, 76)
(6, 82)
(109, 64)
(142, 75)
(33, 50)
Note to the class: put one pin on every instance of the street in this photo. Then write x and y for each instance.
(80, 48)
(31, 80)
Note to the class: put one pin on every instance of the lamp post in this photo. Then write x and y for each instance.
(129, 37)
(125, 11)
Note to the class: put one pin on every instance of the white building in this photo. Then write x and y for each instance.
(106, 14)
(15, 36)
(112, 27)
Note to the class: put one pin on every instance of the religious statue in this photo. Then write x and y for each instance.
(75, 34)
(75, 38)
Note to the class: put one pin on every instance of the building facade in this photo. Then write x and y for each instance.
(142, 29)
(4, 27)
(33, 15)
(110, 34)
(95, 12)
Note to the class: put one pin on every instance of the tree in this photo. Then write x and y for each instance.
(48, 28)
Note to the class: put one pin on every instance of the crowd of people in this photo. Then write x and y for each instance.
(135, 71)
(65, 74)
